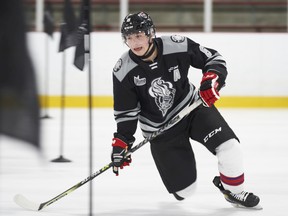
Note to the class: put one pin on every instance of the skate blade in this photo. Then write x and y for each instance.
(257, 207)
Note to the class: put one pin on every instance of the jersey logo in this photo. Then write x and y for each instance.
(118, 65)
(205, 51)
(176, 73)
(177, 38)
(139, 81)
(164, 94)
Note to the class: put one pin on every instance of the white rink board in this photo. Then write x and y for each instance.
(257, 62)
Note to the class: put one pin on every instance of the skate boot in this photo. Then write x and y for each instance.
(243, 199)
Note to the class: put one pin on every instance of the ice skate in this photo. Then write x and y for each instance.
(240, 200)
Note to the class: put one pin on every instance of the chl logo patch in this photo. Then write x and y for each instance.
(139, 81)
(177, 38)
(118, 65)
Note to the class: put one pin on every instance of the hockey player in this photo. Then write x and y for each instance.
(151, 86)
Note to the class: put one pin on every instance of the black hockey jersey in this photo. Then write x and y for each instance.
(152, 93)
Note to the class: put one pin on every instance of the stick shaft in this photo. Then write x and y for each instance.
(168, 125)
(76, 186)
(165, 127)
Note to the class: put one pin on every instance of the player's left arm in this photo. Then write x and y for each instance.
(214, 71)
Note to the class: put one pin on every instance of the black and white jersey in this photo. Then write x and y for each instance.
(152, 93)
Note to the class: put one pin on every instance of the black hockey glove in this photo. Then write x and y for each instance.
(120, 146)
(209, 89)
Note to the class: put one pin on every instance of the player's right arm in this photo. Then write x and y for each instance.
(126, 110)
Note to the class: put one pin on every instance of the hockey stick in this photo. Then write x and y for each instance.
(27, 204)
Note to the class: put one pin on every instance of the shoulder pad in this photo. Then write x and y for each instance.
(174, 44)
(123, 66)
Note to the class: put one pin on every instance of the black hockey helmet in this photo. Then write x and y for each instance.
(137, 22)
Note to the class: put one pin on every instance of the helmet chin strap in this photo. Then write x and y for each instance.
(149, 51)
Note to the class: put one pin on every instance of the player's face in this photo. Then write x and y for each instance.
(138, 43)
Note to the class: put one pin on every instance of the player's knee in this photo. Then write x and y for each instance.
(186, 192)
(229, 151)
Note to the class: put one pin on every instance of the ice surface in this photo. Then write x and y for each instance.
(138, 190)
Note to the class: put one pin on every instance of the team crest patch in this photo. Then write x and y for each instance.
(177, 38)
(118, 65)
(163, 93)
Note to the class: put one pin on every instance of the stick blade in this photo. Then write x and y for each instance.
(25, 203)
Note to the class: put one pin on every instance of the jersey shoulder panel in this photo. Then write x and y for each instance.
(174, 44)
(123, 66)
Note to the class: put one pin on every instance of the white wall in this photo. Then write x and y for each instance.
(257, 62)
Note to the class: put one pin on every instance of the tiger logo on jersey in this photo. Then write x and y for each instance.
(164, 94)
